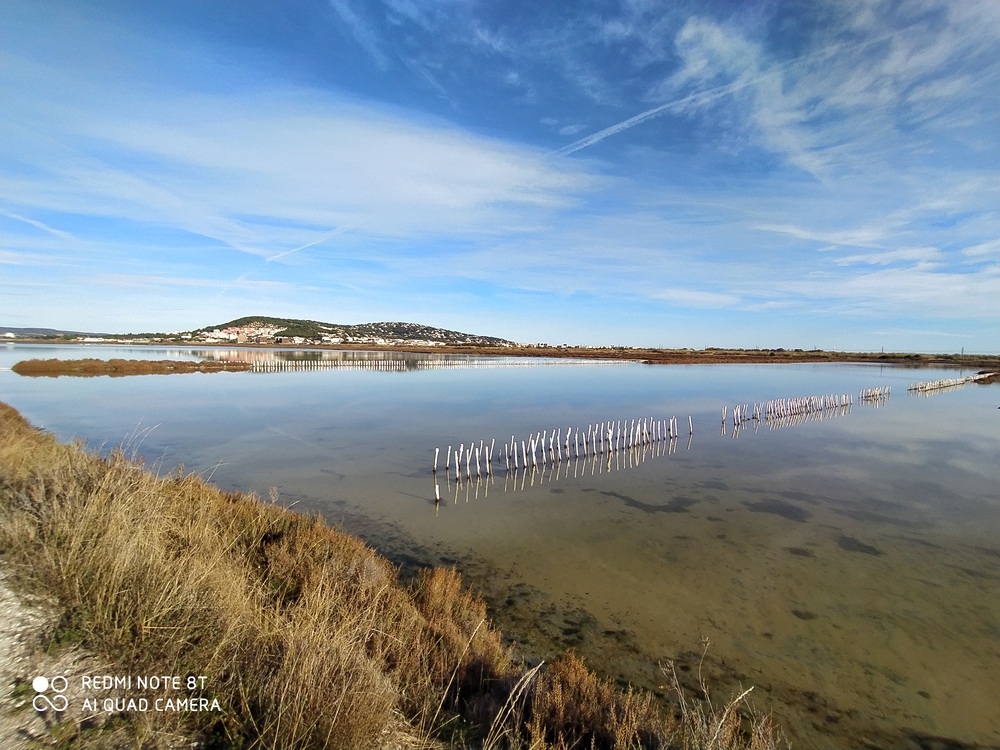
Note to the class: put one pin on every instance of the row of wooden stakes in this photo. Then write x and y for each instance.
(546, 447)
(552, 447)
(931, 386)
(526, 477)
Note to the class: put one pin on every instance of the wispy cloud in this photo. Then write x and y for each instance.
(346, 165)
(696, 298)
(139, 281)
(983, 250)
(861, 237)
(362, 32)
(924, 255)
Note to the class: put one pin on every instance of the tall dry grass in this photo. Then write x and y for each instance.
(307, 636)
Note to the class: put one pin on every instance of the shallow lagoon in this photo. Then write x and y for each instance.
(847, 568)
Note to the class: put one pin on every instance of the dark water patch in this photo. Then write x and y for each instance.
(871, 517)
(989, 551)
(682, 536)
(679, 504)
(415, 474)
(557, 491)
(712, 518)
(929, 742)
(720, 536)
(713, 485)
(804, 614)
(921, 542)
(928, 583)
(779, 508)
(971, 572)
(800, 551)
(851, 544)
(882, 504)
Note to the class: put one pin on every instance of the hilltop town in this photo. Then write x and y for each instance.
(262, 330)
(282, 331)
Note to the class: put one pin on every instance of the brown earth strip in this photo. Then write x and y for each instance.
(116, 368)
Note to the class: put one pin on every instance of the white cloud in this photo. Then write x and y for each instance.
(200, 163)
(861, 237)
(846, 104)
(983, 250)
(696, 298)
(13, 258)
(925, 255)
(917, 290)
(140, 281)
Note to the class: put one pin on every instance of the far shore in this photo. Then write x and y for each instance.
(116, 368)
(653, 356)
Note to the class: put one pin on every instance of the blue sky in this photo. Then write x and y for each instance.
(755, 174)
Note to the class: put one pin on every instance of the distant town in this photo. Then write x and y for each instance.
(280, 331)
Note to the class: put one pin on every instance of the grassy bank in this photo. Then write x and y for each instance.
(307, 637)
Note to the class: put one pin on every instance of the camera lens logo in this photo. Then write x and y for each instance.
(56, 700)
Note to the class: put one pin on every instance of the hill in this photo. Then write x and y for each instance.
(37, 333)
(314, 330)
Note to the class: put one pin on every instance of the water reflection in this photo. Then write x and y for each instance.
(934, 387)
(526, 476)
(618, 444)
(282, 360)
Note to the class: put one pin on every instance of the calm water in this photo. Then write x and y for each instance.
(847, 568)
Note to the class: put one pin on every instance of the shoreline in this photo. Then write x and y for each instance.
(652, 356)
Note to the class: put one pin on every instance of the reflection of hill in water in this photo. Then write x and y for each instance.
(280, 361)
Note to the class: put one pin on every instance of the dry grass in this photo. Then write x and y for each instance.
(737, 726)
(306, 635)
(571, 707)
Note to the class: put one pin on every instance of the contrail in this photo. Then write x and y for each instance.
(324, 238)
(36, 224)
(702, 97)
